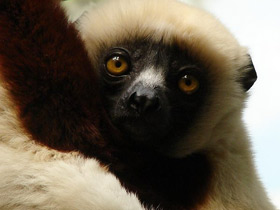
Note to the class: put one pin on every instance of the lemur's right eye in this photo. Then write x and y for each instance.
(117, 64)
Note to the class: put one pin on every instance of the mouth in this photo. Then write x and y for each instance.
(143, 131)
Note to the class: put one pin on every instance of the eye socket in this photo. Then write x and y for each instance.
(188, 84)
(117, 65)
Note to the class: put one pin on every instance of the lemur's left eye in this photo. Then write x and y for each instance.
(188, 84)
(117, 65)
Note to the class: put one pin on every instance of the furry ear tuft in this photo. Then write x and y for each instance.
(249, 75)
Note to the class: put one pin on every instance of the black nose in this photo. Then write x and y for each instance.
(144, 101)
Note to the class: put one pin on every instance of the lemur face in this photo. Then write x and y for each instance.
(151, 91)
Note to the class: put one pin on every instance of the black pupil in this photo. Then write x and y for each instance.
(188, 82)
(118, 64)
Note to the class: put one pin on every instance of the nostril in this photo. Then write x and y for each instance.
(151, 105)
(144, 103)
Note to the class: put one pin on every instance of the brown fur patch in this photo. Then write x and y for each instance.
(46, 69)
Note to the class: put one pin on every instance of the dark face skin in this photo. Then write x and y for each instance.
(154, 114)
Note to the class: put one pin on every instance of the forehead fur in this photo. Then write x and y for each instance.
(169, 21)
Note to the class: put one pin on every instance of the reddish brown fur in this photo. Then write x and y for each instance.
(49, 76)
(50, 79)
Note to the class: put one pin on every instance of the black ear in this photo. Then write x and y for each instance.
(249, 75)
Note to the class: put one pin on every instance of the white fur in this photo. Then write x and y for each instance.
(151, 77)
(35, 177)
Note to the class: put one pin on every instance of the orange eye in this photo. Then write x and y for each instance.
(188, 84)
(117, 65)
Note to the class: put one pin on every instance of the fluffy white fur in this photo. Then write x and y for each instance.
(219, 131)
(35, 177)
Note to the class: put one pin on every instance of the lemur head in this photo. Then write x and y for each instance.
(170, 74)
